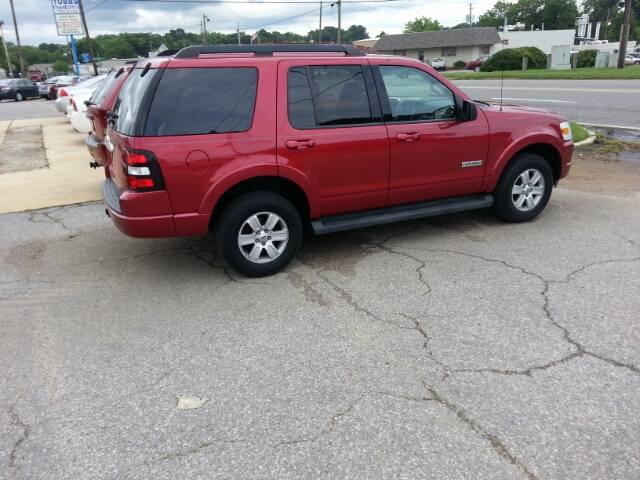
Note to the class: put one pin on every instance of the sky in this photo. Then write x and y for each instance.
(36, 23)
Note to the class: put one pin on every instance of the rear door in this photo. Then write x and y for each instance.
(330, 133)
(433, 153)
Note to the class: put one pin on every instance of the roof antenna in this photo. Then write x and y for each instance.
(504, 34)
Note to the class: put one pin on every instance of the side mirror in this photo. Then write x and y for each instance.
(469, 111)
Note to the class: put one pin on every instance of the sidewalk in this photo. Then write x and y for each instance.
(68, 178)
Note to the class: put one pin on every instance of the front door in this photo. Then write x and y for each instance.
(433, 153)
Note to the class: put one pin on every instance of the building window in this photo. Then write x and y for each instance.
(484, 50)
(402, 53)
(448, 51)
(421, 55)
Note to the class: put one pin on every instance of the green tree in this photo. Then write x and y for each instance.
(422, 24)
(60, 66)
(495, 16)
(382, 34)
(559, 14)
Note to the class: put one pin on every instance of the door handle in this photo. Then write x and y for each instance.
(408, 137)
(299, 144)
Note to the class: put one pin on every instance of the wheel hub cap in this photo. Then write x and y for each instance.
(528, 190)
(263, 237)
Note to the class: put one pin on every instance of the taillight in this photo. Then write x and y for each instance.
(143, 171)
(73, 104)
(62, 92)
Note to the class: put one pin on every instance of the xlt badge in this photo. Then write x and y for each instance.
(473, 163)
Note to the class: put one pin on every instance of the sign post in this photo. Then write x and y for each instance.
(68, 22)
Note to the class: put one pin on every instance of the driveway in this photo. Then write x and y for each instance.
(454, 347)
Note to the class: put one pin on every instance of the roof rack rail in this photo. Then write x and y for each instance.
(168, 53)
(267, 50)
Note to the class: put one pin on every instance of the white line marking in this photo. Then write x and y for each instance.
(533, 100)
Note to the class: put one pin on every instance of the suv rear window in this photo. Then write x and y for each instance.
(105, 87)
(192, 101)
(136, 91)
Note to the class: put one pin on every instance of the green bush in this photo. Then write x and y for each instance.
(511, 59)
(587, 58)
(459, 64)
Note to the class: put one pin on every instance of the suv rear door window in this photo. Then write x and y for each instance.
(192, 101)
(327, 96)
(415, 95)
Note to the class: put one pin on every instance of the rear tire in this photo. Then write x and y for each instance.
(524, 188)
(259, 234)
(19, 97)
(476, 69)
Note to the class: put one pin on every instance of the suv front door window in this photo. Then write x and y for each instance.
(429, 146)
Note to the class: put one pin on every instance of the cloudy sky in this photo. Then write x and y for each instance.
(36, 24)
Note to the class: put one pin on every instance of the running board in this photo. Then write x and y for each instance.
(411, 211)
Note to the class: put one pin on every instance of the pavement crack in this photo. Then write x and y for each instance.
(15, 420)
(154, 385)
(528, 371)
(498, 446)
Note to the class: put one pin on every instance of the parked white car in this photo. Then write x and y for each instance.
(439, 64)
(62, 101)
(77, 110)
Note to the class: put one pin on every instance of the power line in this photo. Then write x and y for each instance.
(252, 1)
(94, 7)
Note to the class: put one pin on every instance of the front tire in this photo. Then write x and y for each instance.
(523, 189)
(259, 234)
(19, 97)
(476, 69)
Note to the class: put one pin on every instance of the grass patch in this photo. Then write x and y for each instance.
(631, 72)
(579, 132)
(604, 146)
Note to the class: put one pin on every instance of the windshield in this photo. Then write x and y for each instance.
(65, 80)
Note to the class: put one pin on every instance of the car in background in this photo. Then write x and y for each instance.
(631, 60)
(43, 88)
(63, 100)
(98, 107)
(439, 64)
(18, 89)
(77, 110)
(64, 82)
(477, 63)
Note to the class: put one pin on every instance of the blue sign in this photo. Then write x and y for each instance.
(85, 58)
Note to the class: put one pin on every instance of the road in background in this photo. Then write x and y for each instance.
(599, 102)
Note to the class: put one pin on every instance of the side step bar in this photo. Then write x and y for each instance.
(380, 216)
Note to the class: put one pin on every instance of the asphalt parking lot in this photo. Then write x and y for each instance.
(452, 347)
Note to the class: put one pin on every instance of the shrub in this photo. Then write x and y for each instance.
(587, 58)
(511, 59)
(459, 64)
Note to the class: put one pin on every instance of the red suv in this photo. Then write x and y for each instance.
(261, 140)
(100, 103)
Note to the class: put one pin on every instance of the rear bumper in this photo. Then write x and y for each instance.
(154, 226)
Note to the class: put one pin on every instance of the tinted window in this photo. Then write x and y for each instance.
(415, 95)
(105, 87)
(327, 95)
(133, 94)
(191, 101)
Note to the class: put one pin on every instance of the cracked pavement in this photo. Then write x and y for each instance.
(452, 347)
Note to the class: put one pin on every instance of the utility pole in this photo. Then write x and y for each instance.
(320, 28)
(238, 33)
(624, 34)
(470, 15)
(86, 32)
(205, 19)
(15, 24)
(6, 52)
(339, 18)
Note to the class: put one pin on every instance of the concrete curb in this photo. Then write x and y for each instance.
(587, 141)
